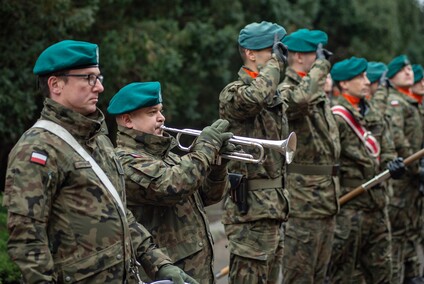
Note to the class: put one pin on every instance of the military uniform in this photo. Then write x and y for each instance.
(167, 194)
(363, 230)
(256, 110)
(312, 177)
(362, 239)
(64, 225)
(406, 118)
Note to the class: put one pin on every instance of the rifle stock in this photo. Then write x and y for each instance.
(377, 179)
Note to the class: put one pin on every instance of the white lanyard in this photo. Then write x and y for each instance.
(68, 138)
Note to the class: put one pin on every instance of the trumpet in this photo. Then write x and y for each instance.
(286, 147)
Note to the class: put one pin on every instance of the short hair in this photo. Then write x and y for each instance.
(43, 84)
(242, 53)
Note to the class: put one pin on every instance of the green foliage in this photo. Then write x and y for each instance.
(189, 46)
(9, 272)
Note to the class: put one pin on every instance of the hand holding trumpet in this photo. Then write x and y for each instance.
(229, 145)
(215, 136)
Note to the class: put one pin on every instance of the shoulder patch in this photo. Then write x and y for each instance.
(38, 158)
(394, 102)
(134, 155)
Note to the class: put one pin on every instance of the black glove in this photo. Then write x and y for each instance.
(215, 134)
(323, 53)
(396, 168)
(174, 273)
(421, 175)
(280, 50)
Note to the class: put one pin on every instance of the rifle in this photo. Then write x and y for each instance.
(377, 179)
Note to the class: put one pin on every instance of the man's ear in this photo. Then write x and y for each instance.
(298, 57)
(125, 120)
(250, 54)
(343, 85)
(55, 85)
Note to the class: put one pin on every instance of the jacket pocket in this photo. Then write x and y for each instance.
(77, 270)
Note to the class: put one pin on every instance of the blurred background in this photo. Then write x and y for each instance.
(188, 46)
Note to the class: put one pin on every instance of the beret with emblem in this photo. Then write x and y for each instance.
(305, 40)
(135, 96)
(348, 68)
(396, 65)
(375, 71)
(418, 72)
(257, 36)
(67, 55)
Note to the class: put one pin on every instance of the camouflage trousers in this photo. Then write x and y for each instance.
(407, 223)
(256, 251)
(362, 242)
(413, 238)
(308, 244)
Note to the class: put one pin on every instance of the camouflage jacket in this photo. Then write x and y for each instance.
(310, 117)
(406, 120)
(379, 99)
(63, 224)
(256, 110)
(167, 193)
(357, 165)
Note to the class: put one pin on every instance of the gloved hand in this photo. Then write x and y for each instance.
(174, 273)
(215, 134)
(280, 50)
(227, 148)
(396, 168)
(421, 178)
(323, 53)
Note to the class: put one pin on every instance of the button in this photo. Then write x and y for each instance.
(201, 244)
(68, 278)
(119, 257)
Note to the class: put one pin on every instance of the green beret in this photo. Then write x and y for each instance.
(418, 73)
(375, 71)
(257, 36)
(305, 40)
(396, 65)
(135, 96)
(348, 68)
(67, 55)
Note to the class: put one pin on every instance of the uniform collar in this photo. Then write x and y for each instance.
(140, 141)
(80, 126)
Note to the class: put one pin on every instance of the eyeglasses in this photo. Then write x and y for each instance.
(92, 78)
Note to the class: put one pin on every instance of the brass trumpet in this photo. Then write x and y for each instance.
(286, 147)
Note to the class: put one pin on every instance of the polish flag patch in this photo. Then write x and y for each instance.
(134, 155)
(394, 103)
(38, 158)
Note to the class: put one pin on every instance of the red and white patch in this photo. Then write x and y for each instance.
(135, 155)
(38, 158)
(394, 103)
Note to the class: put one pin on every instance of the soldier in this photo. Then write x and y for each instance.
(64, 190)
(312, 177)
(362, 237)
(418, 90)
(165, 192)
(406, 118)
(376, 74)
(256, 209)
